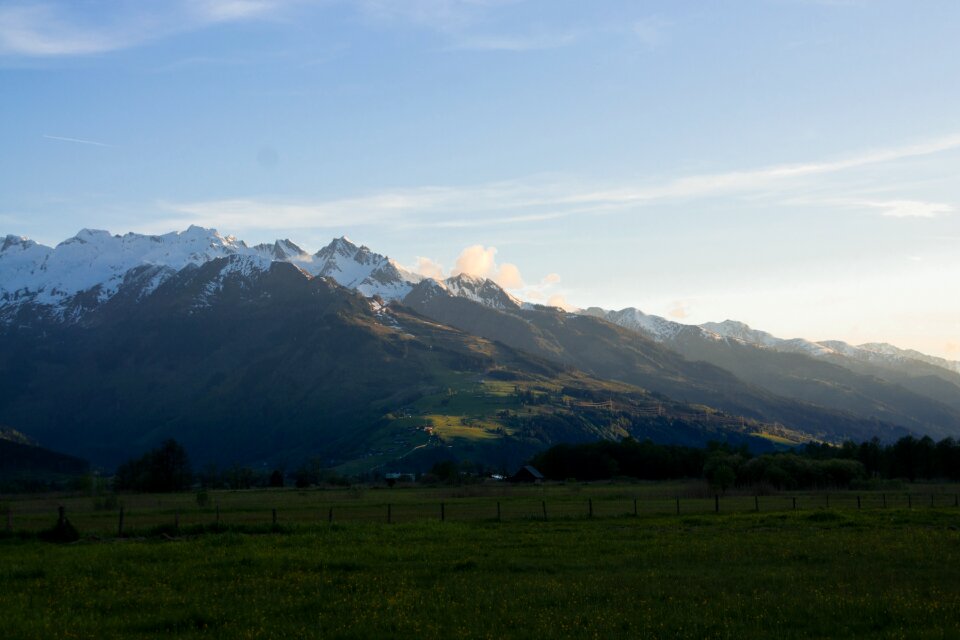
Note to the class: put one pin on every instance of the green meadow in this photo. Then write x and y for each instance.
(812, 572)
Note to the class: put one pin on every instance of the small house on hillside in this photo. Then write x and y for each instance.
(527, 474)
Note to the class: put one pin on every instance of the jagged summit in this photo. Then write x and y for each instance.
(740, 331)
(281, 250)
(95, 264)
(658, 328)
(91, 267)
(357, 267)
(482, 290)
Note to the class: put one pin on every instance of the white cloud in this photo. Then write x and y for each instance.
(59, 28)
(480, 262)
(228, 10)
(447, 16)
(41, 30)
(558, 300)
(523, 42)
(477, 261)
(651, 31)
(508, 276)
(462, 23)
(911, 208)
(679, 310)
(538, 199)
(428, 268)
(887, 208)
(550, 278)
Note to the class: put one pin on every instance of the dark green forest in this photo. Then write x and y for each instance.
(811, 466)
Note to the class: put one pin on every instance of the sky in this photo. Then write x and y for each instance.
(791, 164)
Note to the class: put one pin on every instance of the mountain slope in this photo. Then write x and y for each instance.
(246, 360)
(84, 307)
(612, 352)
(810, 372)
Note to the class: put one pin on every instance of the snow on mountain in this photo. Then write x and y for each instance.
(282, 251)
(361, 269)
(654, 327)
(97, 264)
(742, 332)
(237, 268)
(94, 266)
(32, 273)
(883, 353)
(482, 290)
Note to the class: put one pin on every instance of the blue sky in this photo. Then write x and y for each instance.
(789, 163)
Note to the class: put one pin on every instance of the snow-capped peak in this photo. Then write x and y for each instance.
(742, 332)
(883, 353)
(482, 290)
(96, 260)
(283, 251)
(361, 269)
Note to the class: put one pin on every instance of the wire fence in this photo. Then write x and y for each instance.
(139, 513)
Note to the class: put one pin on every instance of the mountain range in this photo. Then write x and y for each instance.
(269, 354)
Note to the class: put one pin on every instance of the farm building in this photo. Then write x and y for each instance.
(527, 474)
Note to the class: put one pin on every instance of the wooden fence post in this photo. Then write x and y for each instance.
(330, 515)
(756, 503)
(61, 516)
(794, 503)
(884, 496)
(176, 520)
(635, 513)
(544, 505)
(120, 524)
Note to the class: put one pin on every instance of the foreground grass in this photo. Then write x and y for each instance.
(889, 574)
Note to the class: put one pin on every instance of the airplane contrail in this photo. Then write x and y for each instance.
(93, 142)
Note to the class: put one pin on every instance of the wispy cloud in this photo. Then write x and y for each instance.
(524, 42)
(911, 208)
(542, 198)
(651, 31)
(481, 262)
(229, 10)
(59, 28)
(44, 30)
(76, 140)
(446, 16)
(466, 24)
(886, 208)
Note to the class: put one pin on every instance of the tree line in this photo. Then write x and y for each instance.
(815, 465)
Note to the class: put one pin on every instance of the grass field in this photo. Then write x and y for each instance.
(466, 503)
(813, 572)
